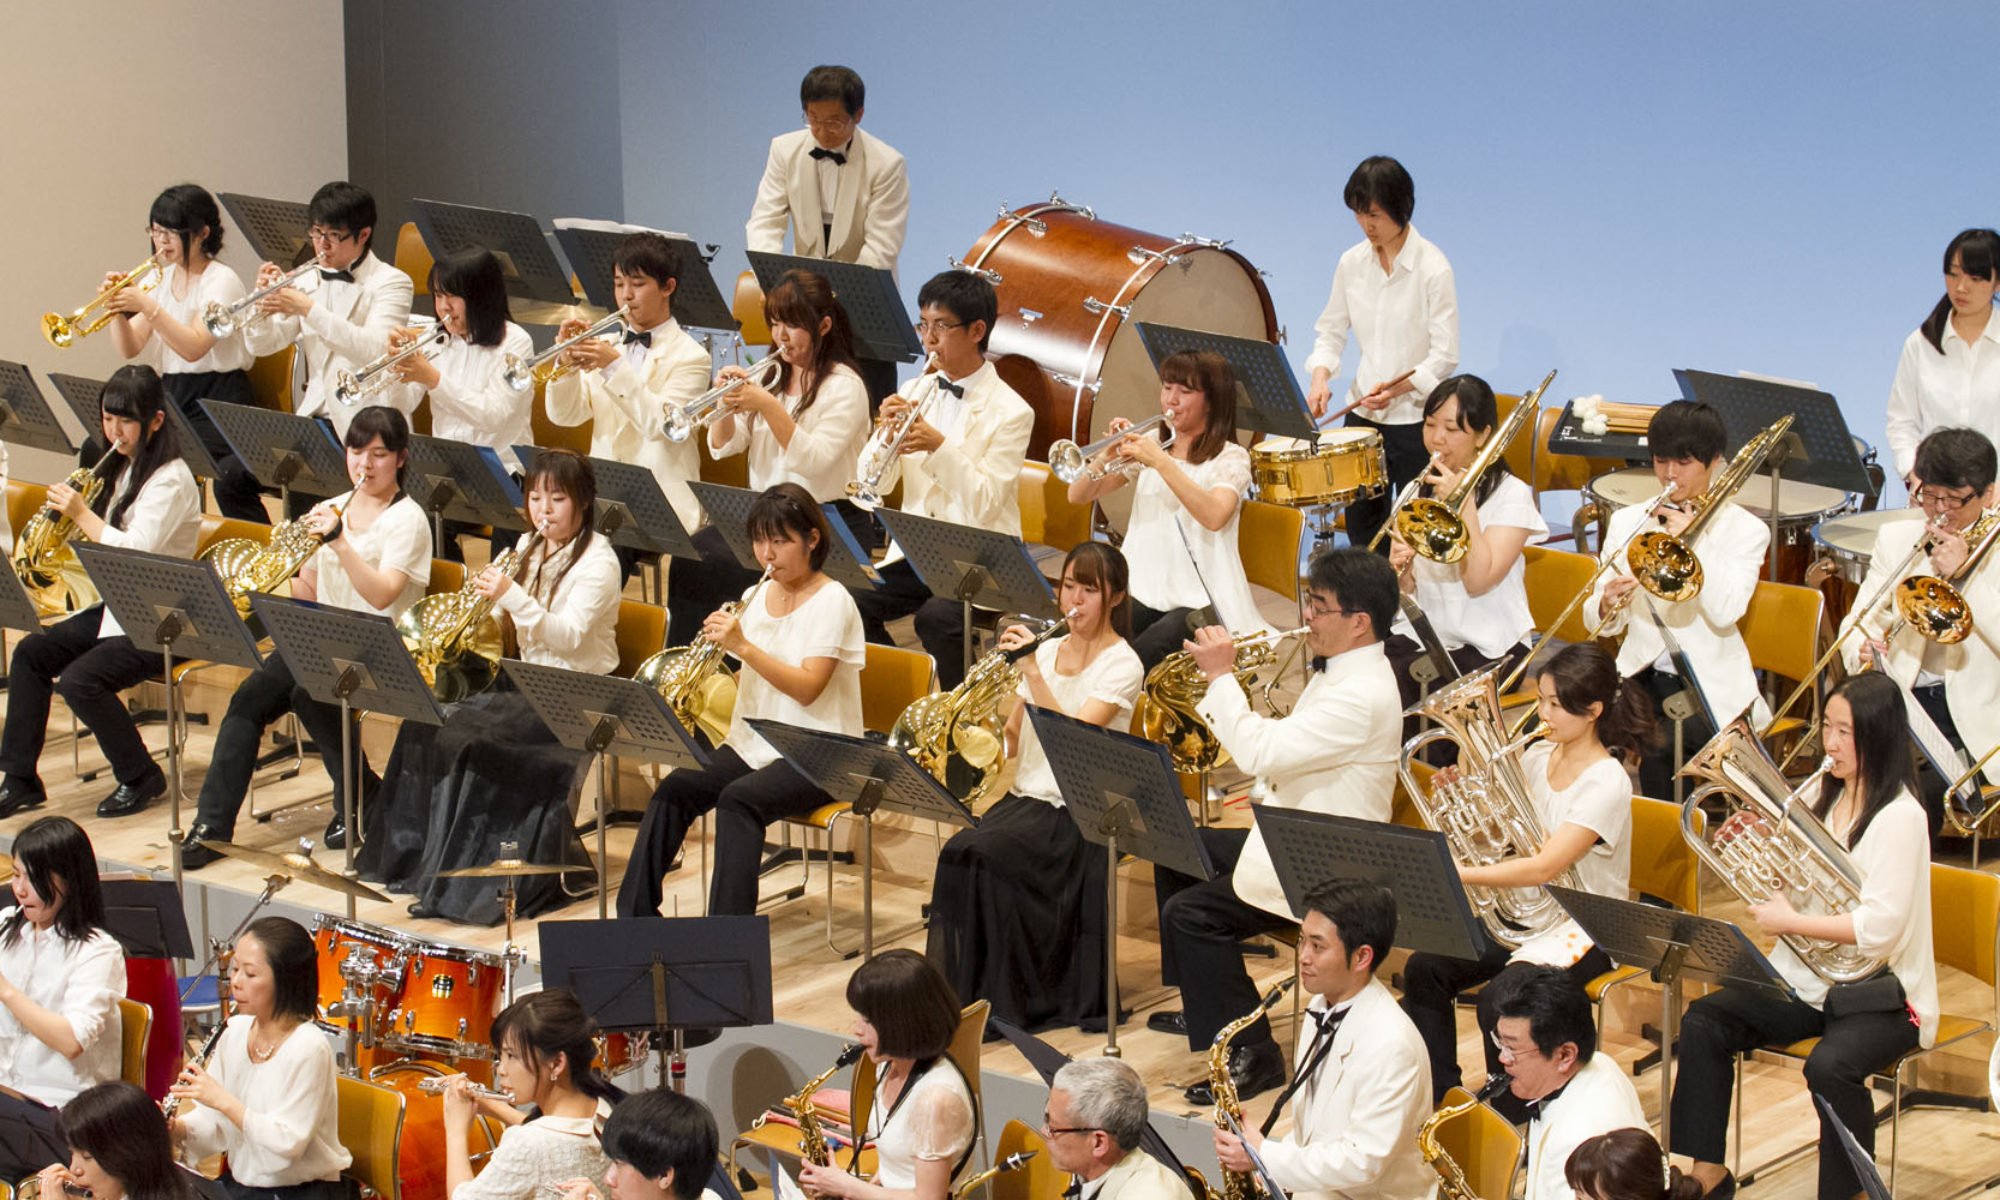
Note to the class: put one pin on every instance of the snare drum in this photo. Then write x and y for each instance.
(1346, 465)
(1844, 547)
(449, 998)
(1801, 506)
(420, 1169)
(360, 968)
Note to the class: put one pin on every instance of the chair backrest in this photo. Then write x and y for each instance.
(413, 257)
(221, 529)
(964, 1050)
(642, 633)
(135, 1021)
(1965, 919)
(1483, 1145)
(1781, 628)
(371, 1127)
(1047, 516)
(446, 576)
(733, 471)
(554, 436)
(1663, 864)
(1553, 578)
(23, 499)
(271, 380)
(747, 306)
(1038, 1179)
(861, 1095)
(1267, 540)
(891, 679)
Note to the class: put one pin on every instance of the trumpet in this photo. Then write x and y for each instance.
(62, 330)
(353, 387)
(437, 1085)
(1071, 462)
(702, 411)
(224, 319)
(885, 446)
(545, 368)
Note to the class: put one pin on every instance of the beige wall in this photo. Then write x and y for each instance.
(90, 135)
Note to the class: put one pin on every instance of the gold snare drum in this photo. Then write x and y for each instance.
(1345, 465)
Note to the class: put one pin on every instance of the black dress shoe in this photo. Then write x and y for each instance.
(194, 855)
(1726, 1190)
(1255, 1068)
(18, 796)
(128, 798)
(335, 837)
(1168, 1021)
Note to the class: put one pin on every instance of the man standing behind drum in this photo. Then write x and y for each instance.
(1395, 291)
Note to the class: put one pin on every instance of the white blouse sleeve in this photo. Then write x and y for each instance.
(831, 430)
(91, 992)
(1897, 863)
(286, 1128)
(482, 397)
(167, 502)
(940, 1122)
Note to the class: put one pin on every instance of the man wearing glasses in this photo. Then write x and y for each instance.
(1548, 1047)
(1096, 1113)
(1958, 685)
(1335, 753)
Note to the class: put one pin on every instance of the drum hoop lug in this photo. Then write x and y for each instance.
(1092, 304)
(1071, 381)
(990, 276)
(1029, 316)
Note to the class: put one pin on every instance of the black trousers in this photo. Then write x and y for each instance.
(1929, 786)
(1850, 1049)
(1431, 984)
(1405, 456)
(744, 801)
(237, 493)
(1403, 651)
(940, 622)
(89, 671)
(1658, 765)
(1156, 634)
(34, 1138)
(1201, 924)
(266, 695)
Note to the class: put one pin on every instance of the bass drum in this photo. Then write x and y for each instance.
(1072, 290)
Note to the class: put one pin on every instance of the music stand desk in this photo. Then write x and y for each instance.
(728, 510)
(882, 329)
(283, 450)
(1272, 404)
(25, 416)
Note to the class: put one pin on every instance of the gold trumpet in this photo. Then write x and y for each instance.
(62, 331)
(703, 410)
(885, 446)
(224, 319)
(356, 387)
(1070, 462)
(547, 367)
(1432, 526)
(693, 679)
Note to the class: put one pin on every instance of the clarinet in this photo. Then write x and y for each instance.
(172, 1104)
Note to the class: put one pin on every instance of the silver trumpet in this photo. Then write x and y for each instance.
(224, 319)
(435, 1085)
(885, 446)
(355, 387)
(702, 411)
(1071, 462)
(545, 368)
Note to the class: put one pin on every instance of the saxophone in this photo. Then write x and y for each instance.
(1236, 1185)
(695, 682)
(812, 1139)
(1454, 1184)
(1013, 1162)
(453, 636)
(43, 557)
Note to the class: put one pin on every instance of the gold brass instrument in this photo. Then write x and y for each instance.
(1432, 526)
(1403, 497)
(1236, 1185)
(1166, 708)
(437, 1085)
(1665, 565)
(453, 635)
(693, 679)
(703, 410)
(1013, 1162)
(43, 558)
(1070, 462)
(1486, 812)
(31, 1189)
(1935, 607)
(358, 387)
(62, 331)
(885, 446)
(248, 566)
(812, 1139)
(1769, 842)
(224, 319)
(1453, 1182)
(547, 367)
(960, 736)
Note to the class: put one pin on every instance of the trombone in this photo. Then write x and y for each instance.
(703, 410)
(545, 368)
(885, 447)
(1071, 462)
(62, 331)
(224, 319)
(353, 387)
(1431, 525)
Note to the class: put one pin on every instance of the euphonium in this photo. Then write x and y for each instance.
(353, 387)
(1486, 813)
(224, 319)
(248, 566)
(1665, 565)
(1070, 462)
(43, 557)
(702, 411)
(547, 367)
(453, 635)
(1432, 526)
(62, 331)
(1768, 842)
(1454, 1185)
(1166, 708)
(812, 1139)
(695, 682)
(884, 448)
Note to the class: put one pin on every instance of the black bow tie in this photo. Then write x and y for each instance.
(946, 385)
(1329, 1019)
(1318, 663)
(644, 338)
(327, 276)
(839, 157)
(1075, 1189)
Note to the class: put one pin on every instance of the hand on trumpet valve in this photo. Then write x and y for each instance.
(127, 301)
(1143, 449)
(590, 354)
(1213, 651)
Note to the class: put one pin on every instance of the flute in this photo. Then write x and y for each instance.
(435, 1086)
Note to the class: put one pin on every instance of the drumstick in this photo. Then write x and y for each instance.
(1357, 404)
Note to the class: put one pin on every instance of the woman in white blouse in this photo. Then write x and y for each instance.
(1181, 541)
(1017, 913)
(1582, 797)
(1949, 374)
(923, 1121)
(661, 1145)
(61, 975)
(807, 428)
(266, 1096)
(798, 637)
(1479, 604)
(455, 795)
(1868, 802)
(149, 502)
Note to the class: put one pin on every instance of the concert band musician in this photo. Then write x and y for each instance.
(798, 638)
(1867, 801)
(1395, 293)
(1686, 440)
(1335, 753)
(1627, 1164)
(1095, 1117)
(119, 1150)
(61, 975)
(266, 1096)
(149, 501)
(375, 557)
(1949, 372)
(960, 460)
(1360, 1088)
(1582, 797)
(1186, 504)
(660, 1145)
(493, 773)
(1016, 908)
(807, 429)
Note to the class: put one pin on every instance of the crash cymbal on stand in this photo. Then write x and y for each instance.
(299, 865)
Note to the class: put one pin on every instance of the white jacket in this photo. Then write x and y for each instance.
(343, 336)
(870, 212)
(1598, 1099)
(974, 478)
(626, 406)
(1140, 1176)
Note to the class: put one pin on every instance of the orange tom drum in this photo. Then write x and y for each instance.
(449, 999)
(360, 974)
(420, 1160)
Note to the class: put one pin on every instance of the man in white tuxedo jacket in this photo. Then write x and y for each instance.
(1361, 1083)
(845, 193)
(1096, 1114)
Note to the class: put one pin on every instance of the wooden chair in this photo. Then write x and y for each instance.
(371, 1127)
(549, 433)
(783, 1137)
(1267, 540)
(1049, 522)
(1039, 1179)
(446, 576)
(135, 1022)
(413, 257)
(642, 633)
(24, 499)
(271, 380)
(1483, 1144)
(747, 306)
(733, 471)
(1664, 867)
(1553, 578)
(964, 1050)
(1784, 631)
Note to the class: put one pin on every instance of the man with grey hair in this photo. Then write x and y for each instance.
(1096, 1112)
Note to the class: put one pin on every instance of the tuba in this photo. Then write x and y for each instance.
(1487, 813)
(1769, 842)
(43, 557)
(454, 637)
(1664, 564)
(959, 736)
(812, 1139)
(1432, 526)
(695, 682)
(1165, 711)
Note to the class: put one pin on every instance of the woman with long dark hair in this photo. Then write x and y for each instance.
(1949, 374)
(118, 1149)
(150, 502)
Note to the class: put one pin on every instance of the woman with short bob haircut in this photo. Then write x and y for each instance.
(661, 1146)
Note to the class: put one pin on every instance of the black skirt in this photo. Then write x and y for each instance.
(451, 794)
(1017, 916)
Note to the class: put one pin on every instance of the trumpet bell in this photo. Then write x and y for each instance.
(1066, 461)
(1935, 609)
(1665, 566)
(1432, 530)
(59, 330)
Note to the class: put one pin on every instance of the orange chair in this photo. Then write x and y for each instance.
(413, 257)
(1050, 524)
(747, 306)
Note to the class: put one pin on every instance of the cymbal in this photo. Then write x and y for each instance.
(501, 868)
(299, 865)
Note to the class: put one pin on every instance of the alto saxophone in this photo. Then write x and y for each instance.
(1236, 1185)
(812, 1139)
(1453, 1183)
(1013, 1162)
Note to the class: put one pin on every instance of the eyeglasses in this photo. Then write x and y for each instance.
(1944, 501)
(1052, 1130)
(157, 231)
(1315, 607)
(327, 236)
(924, 328)
(831, 126)
(1510, 1051)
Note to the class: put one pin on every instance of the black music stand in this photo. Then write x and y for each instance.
(881, 324)
(283, 450)
(85, 399)
(1863, 1162)
(536, 282)
(355, 660)
(976, 567)
(1270, 402)
(672, 974)
(1311, 848)
(869, 776)
(147, 918)
(603, 715)
(1124, 796)
(457, 481)
(1674, 945)
(632, 510)
(275, 229)
(25, 416)
(174, 607)
(590, 247)
(17, 611)
(728, 510)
